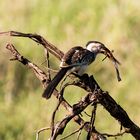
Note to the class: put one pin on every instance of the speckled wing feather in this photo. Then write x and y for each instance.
(77, 56)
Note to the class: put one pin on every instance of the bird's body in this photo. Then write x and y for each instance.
(76, 60)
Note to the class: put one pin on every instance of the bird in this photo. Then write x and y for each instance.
(76, 60)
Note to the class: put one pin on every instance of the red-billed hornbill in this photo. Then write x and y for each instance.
(76, 60)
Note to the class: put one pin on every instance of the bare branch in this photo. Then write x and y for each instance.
(39, 39)
(95, 93)
(41, 75)
(77, 109)
(111, 106)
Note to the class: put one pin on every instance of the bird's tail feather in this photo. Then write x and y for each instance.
(52, 85)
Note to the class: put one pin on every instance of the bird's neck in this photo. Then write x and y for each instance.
(95, 51)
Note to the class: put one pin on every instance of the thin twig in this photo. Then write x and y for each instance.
(39, 131)
(93, 115)
(51, 70)
(48, 63)
(79, 133)
(115, 135)
(87, 114)
(76, 131)
(53, 116)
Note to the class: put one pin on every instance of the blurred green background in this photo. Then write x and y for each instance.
(116, 23)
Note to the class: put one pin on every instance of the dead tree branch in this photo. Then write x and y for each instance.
(44, 80)
(112, 107)
(37, 71)
(95, 93)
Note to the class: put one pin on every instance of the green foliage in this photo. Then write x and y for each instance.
(66, 24)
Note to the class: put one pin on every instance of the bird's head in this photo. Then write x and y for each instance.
(94, 46)
(97, 47)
